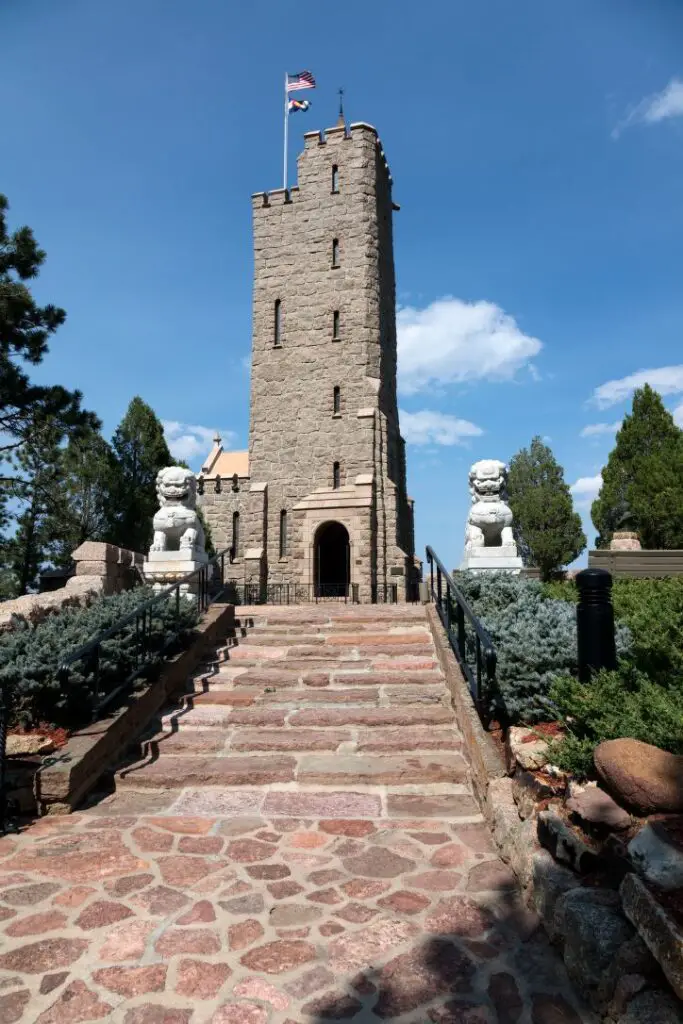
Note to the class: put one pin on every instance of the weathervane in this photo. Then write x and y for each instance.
(340, 120)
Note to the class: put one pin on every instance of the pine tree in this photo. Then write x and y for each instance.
(140, 451)
(82, 509)
(25, 328)
(35, 490)
(548, 529)
(644, 476)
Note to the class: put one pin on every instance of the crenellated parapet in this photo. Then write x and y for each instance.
(338, 144)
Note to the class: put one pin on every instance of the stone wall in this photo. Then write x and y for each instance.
(100, 569)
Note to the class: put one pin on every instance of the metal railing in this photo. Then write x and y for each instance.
(204, 585)
(290, 593)
(468, 638)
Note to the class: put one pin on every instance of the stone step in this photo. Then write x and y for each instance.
(213, 803)
(306, 695)
(231, 738)
(277, 679)
(259, 615)
(371, 716)
(169, 772)
(353, 769)
(179, 772)
(221, 716)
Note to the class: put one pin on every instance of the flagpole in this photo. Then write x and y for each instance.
(284, 159)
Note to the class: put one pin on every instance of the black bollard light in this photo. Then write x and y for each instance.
(595, 623)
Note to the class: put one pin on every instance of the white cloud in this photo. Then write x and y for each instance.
(586, 489)
(188, 441)
(596, 429)
(667, 380)
(428, 427)
(678, 415)
(660, 106)
(451, 341)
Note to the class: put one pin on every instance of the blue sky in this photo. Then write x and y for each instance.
(537, 154)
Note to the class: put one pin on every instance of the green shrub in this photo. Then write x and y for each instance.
(534, 638)
(561, 590)
(653, 611)
(612, 705)
(30, 657)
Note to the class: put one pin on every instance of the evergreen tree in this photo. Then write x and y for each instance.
(82, 507)
(548, 529)
(25, 328)
(140, 451)
(644, 476)
(35, 490)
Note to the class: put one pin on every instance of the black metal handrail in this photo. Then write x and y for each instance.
(207, 583)
(291, 593)
(456, 616)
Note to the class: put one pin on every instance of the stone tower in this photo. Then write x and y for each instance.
(322, 499)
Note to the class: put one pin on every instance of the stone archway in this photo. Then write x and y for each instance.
(332, 560)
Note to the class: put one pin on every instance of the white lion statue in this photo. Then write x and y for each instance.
(176, 524)
(489, 524)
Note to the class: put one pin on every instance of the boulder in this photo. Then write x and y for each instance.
(594, 929)
(28, 745)
(550, 881)
(639, 776)
(597, 808)
(652, 1007)
(528, 790)
(525, 748)
(657, 856)
(656, 928)
(565, 844)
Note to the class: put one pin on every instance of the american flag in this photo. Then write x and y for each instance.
(302, 80)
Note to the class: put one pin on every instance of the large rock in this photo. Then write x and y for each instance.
(550, 881)
(594, 929)
(565, 844)
(525, 748)
(28, 745)
(656, 928)
(641, 777)
(652, 1008)
(597, 808)
(657, 856)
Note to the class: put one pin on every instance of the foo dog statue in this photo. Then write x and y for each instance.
(176, 524)
(489, 540)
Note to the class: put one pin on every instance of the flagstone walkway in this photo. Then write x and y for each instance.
(350, 878)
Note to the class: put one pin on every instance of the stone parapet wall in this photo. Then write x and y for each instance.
(116, 567)
(100, 569)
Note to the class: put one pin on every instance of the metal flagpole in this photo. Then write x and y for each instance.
(284, 160)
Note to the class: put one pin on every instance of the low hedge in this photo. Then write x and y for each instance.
(612, 705)
(30, 657)
(653, 611)
(534, 637)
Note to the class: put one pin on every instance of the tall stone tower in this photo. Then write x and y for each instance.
(324, 501)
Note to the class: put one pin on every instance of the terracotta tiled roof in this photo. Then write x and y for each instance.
(220, 463)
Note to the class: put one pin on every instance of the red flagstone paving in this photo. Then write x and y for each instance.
(298, 844)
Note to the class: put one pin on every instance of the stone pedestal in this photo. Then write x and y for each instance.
(625, 540)
(504, 559)
(164, 568)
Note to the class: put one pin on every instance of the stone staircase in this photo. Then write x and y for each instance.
(324, 710)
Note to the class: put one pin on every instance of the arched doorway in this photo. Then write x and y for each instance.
(332, 560)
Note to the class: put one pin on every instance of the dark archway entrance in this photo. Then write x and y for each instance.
(332, 560)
